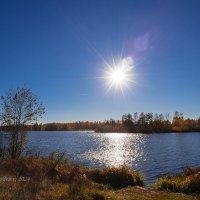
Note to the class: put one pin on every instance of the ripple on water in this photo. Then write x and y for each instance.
(152, 154)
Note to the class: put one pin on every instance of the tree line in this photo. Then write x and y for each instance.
(132, 123)
(159, 123)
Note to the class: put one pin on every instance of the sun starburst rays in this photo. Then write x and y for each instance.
(119, 75)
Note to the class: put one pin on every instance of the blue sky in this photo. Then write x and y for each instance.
(58, 48)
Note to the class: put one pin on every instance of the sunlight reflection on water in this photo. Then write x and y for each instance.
(152, 154)
(116, 149)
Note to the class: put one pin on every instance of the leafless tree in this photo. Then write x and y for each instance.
(19, 108)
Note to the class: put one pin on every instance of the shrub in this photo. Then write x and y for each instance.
(116, 177)
(187, 182)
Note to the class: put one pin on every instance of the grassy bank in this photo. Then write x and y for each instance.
(30, 178)
(186, 182)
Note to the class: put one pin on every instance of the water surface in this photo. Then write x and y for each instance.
(152, 154)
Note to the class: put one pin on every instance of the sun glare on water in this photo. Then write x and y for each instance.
(119, 75)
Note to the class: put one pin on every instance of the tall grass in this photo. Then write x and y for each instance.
(54, 178)
(187, 182)
(49, 178)
(116, 177)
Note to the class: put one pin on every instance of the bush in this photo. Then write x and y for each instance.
(116, 177)
(187, 182)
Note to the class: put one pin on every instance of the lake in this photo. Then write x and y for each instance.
(152, 154)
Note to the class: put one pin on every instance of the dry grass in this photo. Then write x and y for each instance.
(30, 178)
(117, 178)
(187, 182)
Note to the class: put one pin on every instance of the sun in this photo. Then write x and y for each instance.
(119, 75)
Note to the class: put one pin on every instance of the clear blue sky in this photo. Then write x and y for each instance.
(56, 48)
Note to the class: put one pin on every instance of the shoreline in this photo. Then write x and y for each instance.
(62, 179)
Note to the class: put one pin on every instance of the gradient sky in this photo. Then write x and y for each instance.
(57, 49)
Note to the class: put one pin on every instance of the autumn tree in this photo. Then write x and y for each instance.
(127, 121)
(178, 122)
(19, 108)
